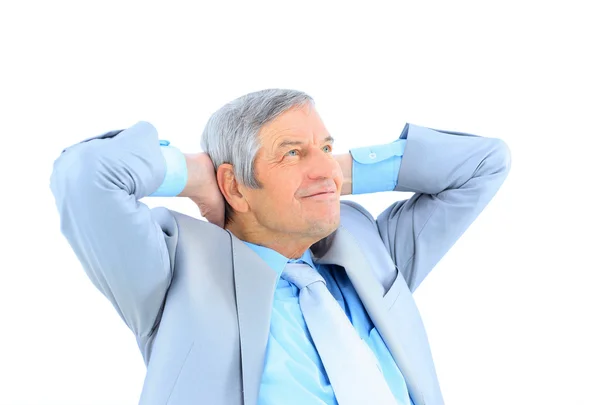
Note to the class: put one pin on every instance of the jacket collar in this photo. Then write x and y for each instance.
(255, 282)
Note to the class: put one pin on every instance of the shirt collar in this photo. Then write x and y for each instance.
(276, 260)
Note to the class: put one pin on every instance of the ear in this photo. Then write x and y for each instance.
(232, 191)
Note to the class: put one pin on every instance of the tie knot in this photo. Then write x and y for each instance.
(301, 274)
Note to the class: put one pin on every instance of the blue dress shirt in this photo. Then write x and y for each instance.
(293, 372)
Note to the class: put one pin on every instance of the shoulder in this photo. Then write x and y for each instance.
(353, 214)
(177, 225)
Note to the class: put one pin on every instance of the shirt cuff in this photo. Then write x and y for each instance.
(376, 168)
(176, 174)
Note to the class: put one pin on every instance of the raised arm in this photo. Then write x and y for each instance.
(454, 176)
(125, 248)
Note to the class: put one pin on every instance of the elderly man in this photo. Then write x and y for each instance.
(287, 295)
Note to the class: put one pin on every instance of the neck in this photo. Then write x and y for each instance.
(289, 245)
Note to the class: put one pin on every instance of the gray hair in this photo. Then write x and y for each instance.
(231, 134)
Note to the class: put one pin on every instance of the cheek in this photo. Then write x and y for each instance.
(338, 175)
(282, 194)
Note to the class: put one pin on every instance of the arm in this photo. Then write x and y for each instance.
(454, 176)
(118, 240)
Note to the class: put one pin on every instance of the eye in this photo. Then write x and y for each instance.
(293, 150)
(330, 148)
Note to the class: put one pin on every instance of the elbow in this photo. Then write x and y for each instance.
(505, 155)
(499, 158)
(71, 176)
(68, 166)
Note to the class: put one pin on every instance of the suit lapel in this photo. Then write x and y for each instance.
(254, 288)
(342, 249)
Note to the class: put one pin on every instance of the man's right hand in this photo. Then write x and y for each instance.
(202, 188)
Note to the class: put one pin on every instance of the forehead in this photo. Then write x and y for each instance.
(294, 124)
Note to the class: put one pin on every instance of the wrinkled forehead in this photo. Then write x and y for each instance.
(292, 128)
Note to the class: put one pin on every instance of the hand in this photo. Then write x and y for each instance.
(202, 188)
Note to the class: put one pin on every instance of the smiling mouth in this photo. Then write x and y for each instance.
(319, 194)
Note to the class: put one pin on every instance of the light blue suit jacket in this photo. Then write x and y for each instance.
(199, 300)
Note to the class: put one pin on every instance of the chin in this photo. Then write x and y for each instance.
(325, 227)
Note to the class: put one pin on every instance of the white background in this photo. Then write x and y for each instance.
(511, 310)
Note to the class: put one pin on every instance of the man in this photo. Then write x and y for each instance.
(286, 295)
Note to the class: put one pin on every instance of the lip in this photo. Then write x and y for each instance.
(322, 196)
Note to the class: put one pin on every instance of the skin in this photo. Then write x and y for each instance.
(281, 215)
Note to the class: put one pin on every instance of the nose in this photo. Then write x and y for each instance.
(322, 165)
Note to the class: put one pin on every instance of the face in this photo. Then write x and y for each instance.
(301, 180)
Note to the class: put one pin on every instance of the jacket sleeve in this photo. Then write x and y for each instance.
(125, 252)
(454, 176)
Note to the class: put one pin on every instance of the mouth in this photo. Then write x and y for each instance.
(327, 194)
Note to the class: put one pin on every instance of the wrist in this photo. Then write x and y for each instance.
(176, 173)
(195, 168)
(345, 162)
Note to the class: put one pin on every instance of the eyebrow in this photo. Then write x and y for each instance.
(285, 144)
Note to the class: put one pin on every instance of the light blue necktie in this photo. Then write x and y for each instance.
(350, 364)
